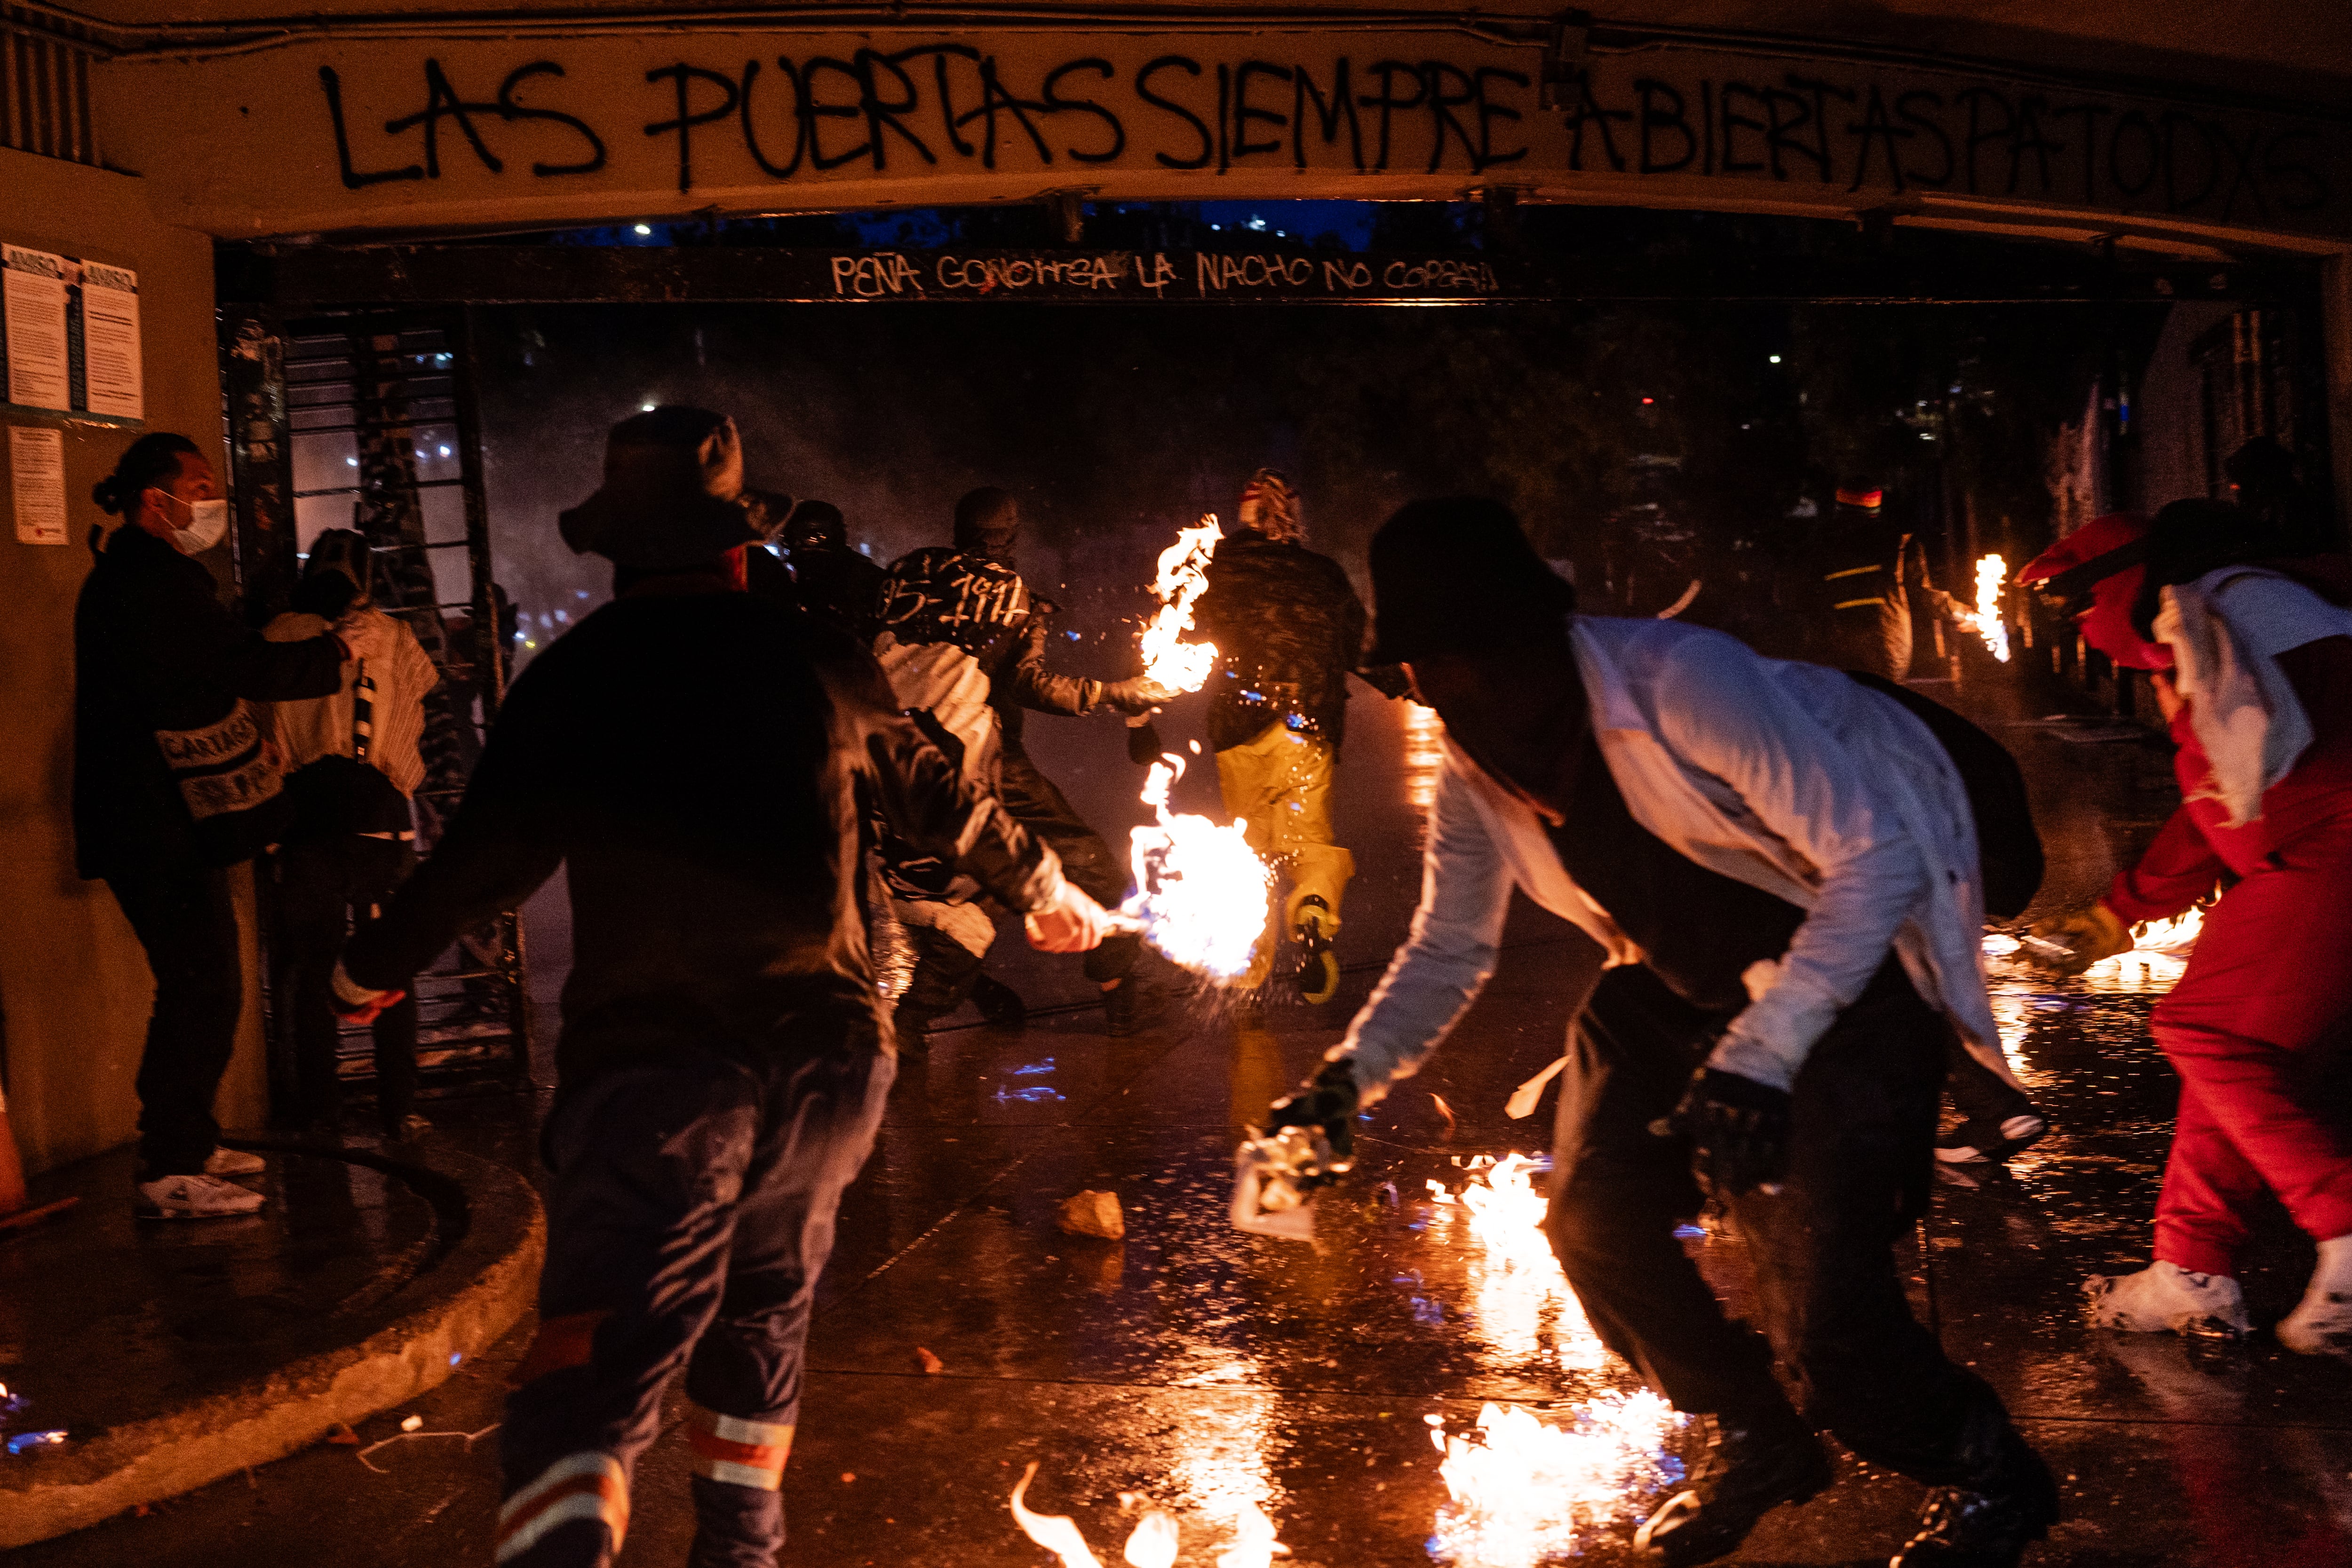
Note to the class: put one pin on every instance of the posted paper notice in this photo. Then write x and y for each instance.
(32, 297)
(36, 473)
(110, 336)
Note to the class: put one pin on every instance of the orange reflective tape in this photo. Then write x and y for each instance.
(758, 1456)
(584, 1486)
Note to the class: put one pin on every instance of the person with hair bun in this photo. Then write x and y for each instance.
(175, 781)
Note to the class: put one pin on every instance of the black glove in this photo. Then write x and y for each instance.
(1143, 747)
(1136, 694)
(1738, 1130)
(1326, 1101)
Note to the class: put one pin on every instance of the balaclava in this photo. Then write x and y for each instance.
(1270, 506)
(988, 524)
(815, 525)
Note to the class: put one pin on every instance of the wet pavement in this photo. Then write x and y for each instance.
(961, 1336)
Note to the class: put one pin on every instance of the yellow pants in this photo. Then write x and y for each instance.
(1280, 784)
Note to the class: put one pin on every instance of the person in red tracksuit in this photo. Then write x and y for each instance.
(2252, 661)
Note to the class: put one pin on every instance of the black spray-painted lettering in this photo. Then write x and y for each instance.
(791, 117)
(1980, 139)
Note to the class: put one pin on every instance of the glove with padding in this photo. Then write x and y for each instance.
(1135, 694)
(1738, 1130)
(356, 1004)
(1329, 1101)
(2071, 944)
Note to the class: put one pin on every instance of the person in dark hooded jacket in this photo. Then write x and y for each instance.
(832, 580)
(707, 761)
(175, 782)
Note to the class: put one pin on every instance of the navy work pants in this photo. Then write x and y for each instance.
(690, 1212)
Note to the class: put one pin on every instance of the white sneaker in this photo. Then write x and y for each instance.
(2321, 1324)
(2164, 1297)
(193, 1198)
(226, 1162)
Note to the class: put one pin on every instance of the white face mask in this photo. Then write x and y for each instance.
(208, 525)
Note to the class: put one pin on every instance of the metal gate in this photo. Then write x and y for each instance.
(368, 421)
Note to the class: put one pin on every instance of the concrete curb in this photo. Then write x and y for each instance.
(482, 1283)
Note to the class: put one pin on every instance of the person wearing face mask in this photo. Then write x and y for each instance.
(175, 781)
(1289, 628)
(1780, 865)
(2249, 645)
(353, 767)
(963, 643)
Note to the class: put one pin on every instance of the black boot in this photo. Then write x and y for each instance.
(1131, 1006)
(1751, 1468)
(910, 1025)
(1990, 1524)
(999, 1002)
(1319, 968)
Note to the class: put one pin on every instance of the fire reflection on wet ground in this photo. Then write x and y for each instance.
(1521, 1489)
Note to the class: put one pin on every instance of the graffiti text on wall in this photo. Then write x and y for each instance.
(1402, 106)
(918, 107)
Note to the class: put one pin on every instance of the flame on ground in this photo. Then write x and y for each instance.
(1201, 891)
(1255, 1545)
(1057, 1533)
(1183, 574)
(1154, 1543)
(2158, 953)
(1522, 1489)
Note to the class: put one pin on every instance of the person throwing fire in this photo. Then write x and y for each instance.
(1289, 628)
(1781, 867)
(2249, 650)
(705, 761)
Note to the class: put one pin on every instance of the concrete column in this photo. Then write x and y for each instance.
(2335, 313)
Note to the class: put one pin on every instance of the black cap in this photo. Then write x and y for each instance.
(1455, 575)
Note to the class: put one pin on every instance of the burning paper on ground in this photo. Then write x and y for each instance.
(1201, 891)
(2158, 953)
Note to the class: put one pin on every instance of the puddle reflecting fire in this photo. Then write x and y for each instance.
(1522, 1489)
(1517, 1295)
